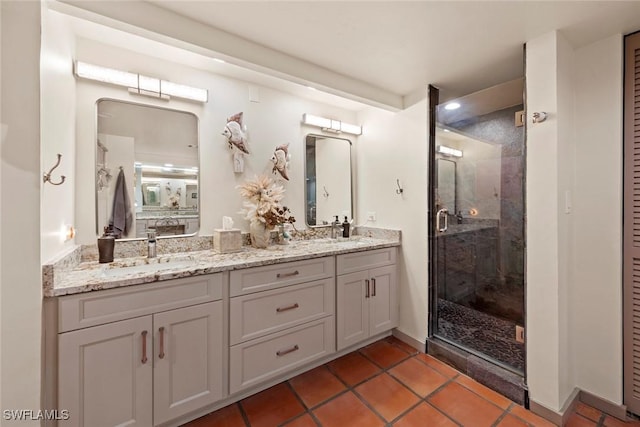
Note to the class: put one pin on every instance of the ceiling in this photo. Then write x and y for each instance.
(404, 46)
(389, 49)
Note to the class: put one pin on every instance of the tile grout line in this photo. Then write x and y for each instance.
(510, 412)
(243, 414)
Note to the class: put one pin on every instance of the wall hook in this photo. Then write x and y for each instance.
(325, 193)
(47, 176)
(400, 190)
(539, 117)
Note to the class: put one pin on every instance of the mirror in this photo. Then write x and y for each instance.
(157, 151)
(328, 189)
(446, 186)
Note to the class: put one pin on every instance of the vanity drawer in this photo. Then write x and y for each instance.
(358, 261)
(264, 358)
(276, 276)
(99, 307)
(262, 313)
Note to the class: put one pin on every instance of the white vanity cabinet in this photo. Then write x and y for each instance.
(162, 361)
(366, 294)
(280, 317)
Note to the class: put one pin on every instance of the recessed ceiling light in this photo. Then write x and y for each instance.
(169, 165)
(222, 61)
(447, 130)
(452, 106)
(311, 88)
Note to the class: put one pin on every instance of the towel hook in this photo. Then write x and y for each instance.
(47, 176)
(400, 190)
(325, 193)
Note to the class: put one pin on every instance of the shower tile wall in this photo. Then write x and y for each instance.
(503, 292)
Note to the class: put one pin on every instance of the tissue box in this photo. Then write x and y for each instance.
(226, 241)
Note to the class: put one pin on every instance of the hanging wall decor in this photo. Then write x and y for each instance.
(237, 139)
(280, 160)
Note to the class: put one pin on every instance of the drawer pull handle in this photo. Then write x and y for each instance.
(287, 308)
(373, 282)
(161, 332)
(287, 351)
(366, 282)
(144, 347)
(281, 275)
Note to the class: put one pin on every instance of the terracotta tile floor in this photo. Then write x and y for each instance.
(387, 384)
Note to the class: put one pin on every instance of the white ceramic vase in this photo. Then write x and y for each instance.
(260, 236)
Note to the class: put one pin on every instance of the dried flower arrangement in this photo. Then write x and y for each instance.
(262, 203)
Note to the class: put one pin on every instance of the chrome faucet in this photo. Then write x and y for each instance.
(336, 228)
(151, 244)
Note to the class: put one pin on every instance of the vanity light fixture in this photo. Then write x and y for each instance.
(448, 151)
(330, 125)
(139, 84)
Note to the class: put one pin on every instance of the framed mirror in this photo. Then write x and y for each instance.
(157, 151)
(328, 189)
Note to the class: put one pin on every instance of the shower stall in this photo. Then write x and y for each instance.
(476, 215)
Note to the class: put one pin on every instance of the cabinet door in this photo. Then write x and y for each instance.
(383, 308)
(187, 360)
(103, 379)
(352, 311)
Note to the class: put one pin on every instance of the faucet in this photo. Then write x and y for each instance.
(459, 217)
(151, 244)
(335, 228)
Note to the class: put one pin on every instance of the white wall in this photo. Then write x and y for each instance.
(394, 146)
(57, 131)
(596, 291)
(272, 121)
(20, 181)
(574, 260)
(542, 228)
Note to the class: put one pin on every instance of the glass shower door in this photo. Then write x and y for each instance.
(478, 224)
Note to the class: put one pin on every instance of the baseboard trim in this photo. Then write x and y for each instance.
(418, 345)
(558, 418)
(606, 406)
(561, 418)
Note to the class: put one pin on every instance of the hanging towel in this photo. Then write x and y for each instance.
(121, 216)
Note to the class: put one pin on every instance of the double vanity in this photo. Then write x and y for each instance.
(162, 341)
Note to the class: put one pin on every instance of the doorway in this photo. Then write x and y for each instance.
(476, 215)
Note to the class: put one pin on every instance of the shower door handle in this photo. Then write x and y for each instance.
(442, 212)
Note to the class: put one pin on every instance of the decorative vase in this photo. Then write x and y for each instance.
(260, 236)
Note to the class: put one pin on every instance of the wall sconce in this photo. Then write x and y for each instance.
(448, 151)
(330, 125)
(139, 84)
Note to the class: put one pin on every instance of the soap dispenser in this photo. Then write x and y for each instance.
(345, 227)
(106, 244)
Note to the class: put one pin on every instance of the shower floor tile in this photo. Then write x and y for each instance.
(480, 332)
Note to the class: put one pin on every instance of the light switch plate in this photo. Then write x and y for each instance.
(371, 216)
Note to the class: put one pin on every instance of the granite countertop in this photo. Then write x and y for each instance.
(66, 277)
